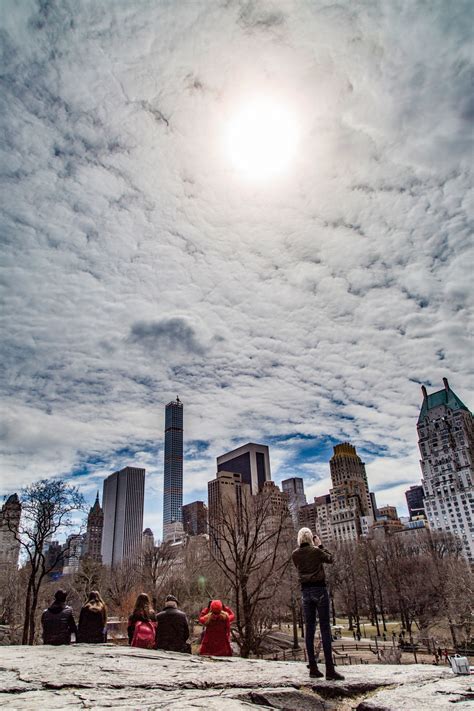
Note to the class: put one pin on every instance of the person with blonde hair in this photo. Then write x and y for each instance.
(93, 620)
(309, 559)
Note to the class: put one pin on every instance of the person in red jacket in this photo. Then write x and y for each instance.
(216, 640)
(206, 611)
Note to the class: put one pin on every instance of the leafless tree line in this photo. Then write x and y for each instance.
(247, 564)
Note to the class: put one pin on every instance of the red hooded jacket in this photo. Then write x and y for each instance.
(216, 640)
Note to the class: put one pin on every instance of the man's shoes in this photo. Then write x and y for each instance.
(333, 675)
(314, 671)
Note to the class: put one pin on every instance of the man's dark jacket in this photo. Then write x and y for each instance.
(58, 624)
(172, 630)
(309, 562)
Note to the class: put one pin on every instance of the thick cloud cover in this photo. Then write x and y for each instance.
(139, 265)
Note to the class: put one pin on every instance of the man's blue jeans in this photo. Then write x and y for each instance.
(316, 600)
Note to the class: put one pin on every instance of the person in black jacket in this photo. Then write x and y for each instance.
(92, 620)
(309, 559)
(58, 621)
(172, 629)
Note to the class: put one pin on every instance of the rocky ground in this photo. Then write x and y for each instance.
(107, 676)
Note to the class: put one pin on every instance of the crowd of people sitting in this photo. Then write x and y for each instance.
(167, 630)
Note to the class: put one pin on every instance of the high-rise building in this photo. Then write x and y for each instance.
(317, 517)
(414, 496)
(446, 441)
(389, 512)
(95, 525)
(10, 515)
(195, 518)
(173, 469)
(294, 489)
(54, 560)
(227, 496)
(122, 499)
(350, 496)
(251, 461)
(148, 541)
(73, 553)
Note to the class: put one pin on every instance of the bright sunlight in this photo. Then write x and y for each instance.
(261, 140)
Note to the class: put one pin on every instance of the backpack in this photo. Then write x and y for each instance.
(144, 635)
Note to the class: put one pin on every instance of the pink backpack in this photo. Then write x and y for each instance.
(144, 634)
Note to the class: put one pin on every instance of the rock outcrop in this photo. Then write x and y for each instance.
(107, 676)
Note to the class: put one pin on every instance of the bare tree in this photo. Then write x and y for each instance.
(248, 544)
(46, 508)
(156, 568)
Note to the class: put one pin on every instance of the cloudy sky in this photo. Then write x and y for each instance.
(140, 261)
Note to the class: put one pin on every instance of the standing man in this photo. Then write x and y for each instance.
(172, 629)
(309, 559)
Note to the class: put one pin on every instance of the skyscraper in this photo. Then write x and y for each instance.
(294, 488)
(95, 525)
(227, 496)
(446, 441)
(414, 496)
(195, 518)
(350, 496)
(173, 469)
(73, 552)
(122, 500)
(252, 461)
(9, 519)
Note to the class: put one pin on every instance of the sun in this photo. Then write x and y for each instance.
(261, 140)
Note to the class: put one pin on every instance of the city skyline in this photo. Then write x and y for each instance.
(300, 310)
(321, 487)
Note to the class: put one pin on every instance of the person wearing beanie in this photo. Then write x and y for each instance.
(58, 621)
(309, 559)
(172, 630)
(216, 639)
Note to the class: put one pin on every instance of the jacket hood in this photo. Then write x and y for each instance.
(57, 607)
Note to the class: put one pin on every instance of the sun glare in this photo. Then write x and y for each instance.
(261, 140)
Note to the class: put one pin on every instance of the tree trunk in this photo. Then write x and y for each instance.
(34, 605)
(294, 616)
(26, 623)
(333, 610)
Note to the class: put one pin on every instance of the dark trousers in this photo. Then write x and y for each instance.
(316, 600)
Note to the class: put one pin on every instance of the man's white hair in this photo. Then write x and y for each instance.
(305, 535)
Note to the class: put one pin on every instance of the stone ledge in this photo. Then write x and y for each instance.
(107, 676)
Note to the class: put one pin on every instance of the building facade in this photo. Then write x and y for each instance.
(195, 518)
(227, 497)
(10, 515)
(415, 501)
(350, 496)
(294, 489)
(148, 541)
(173, 469)
(251, 461)
(123, 499)
(73, 553)
(446, 441)
(95, 526)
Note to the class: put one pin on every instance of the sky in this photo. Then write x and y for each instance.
(140, 262)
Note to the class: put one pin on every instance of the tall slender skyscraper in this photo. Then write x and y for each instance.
(173, 469)
(122, 500)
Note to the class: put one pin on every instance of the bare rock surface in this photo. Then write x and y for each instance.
(108, 677)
